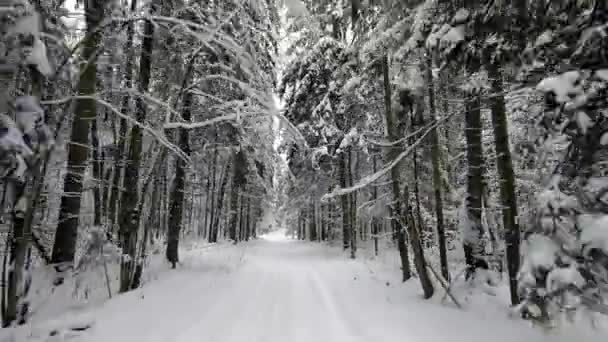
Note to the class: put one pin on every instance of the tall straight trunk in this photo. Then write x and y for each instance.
(375, 198)
(64, 247)
(238, 183)
(414, 229)
(504, 165)
(415, 224)
(325, 221)
(445, 107)
(302, 226)
(129, 217)
(243, 219)
(105, 196)
(437, 182)
(179, 188)
(248, 220)
(97, 160)
(215, 225)
(330, 220)
(416, 182)
(208, 197)
(321, 221)
(300, 230)
(319, 209)
(160, 205)
(155, 205)
(212, 204)
(313, 221)
(254, 223)
(344, 200)
(322, 231)
(399, 218)
(352, 206)
(233, 211)
(192, 208)
(120, 142)
(473, 230)
(241, 231)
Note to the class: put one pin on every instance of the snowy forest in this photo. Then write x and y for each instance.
(298, 170)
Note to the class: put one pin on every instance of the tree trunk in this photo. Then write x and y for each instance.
(472, 228)
(97, 160)
(210, 187)
(129, 217)
(64, 247)
(313, 221)
(415, 224)
(215, 225)
(212, 194)
(352, 208)
(115, 192)
(437, 182)
(240, 233)
(238, 182)
(344, 200)
(398, 217)
(248, 228)
(254, 228)
(504, 165)
(375, 199)
(179, 188)
(414, 229)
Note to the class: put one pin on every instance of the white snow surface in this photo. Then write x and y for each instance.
(284, 291)
(564, 86)
(594, 232)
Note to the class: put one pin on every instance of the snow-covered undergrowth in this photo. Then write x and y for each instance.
(481, 299)
(65, 310)
(283, 291)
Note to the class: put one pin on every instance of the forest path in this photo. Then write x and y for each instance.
(266, 291)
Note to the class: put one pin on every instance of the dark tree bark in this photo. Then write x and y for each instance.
(238, 182)
(212, 194)
(344, 200)
(375, 198)
(240, 224)
(248, 227)
(473, 239)
(437, 182)
(352, 206)
(399, 218)
(97, 161)
(120, 142)
(129, 215)
(313, 222)
(323, 222)
(215, 224)
(209, 187)
(177, 195)
(504, 165)
(64, 247)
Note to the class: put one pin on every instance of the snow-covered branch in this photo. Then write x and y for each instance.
(158, 135)
(368, 180)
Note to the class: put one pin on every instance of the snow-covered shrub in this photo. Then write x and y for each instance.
(565, 263)
(21, 42)
(99, 252)
(24, 138)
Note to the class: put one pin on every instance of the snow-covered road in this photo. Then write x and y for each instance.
(287, 291)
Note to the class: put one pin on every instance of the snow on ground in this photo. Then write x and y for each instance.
(276, 235)
(286, 291)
